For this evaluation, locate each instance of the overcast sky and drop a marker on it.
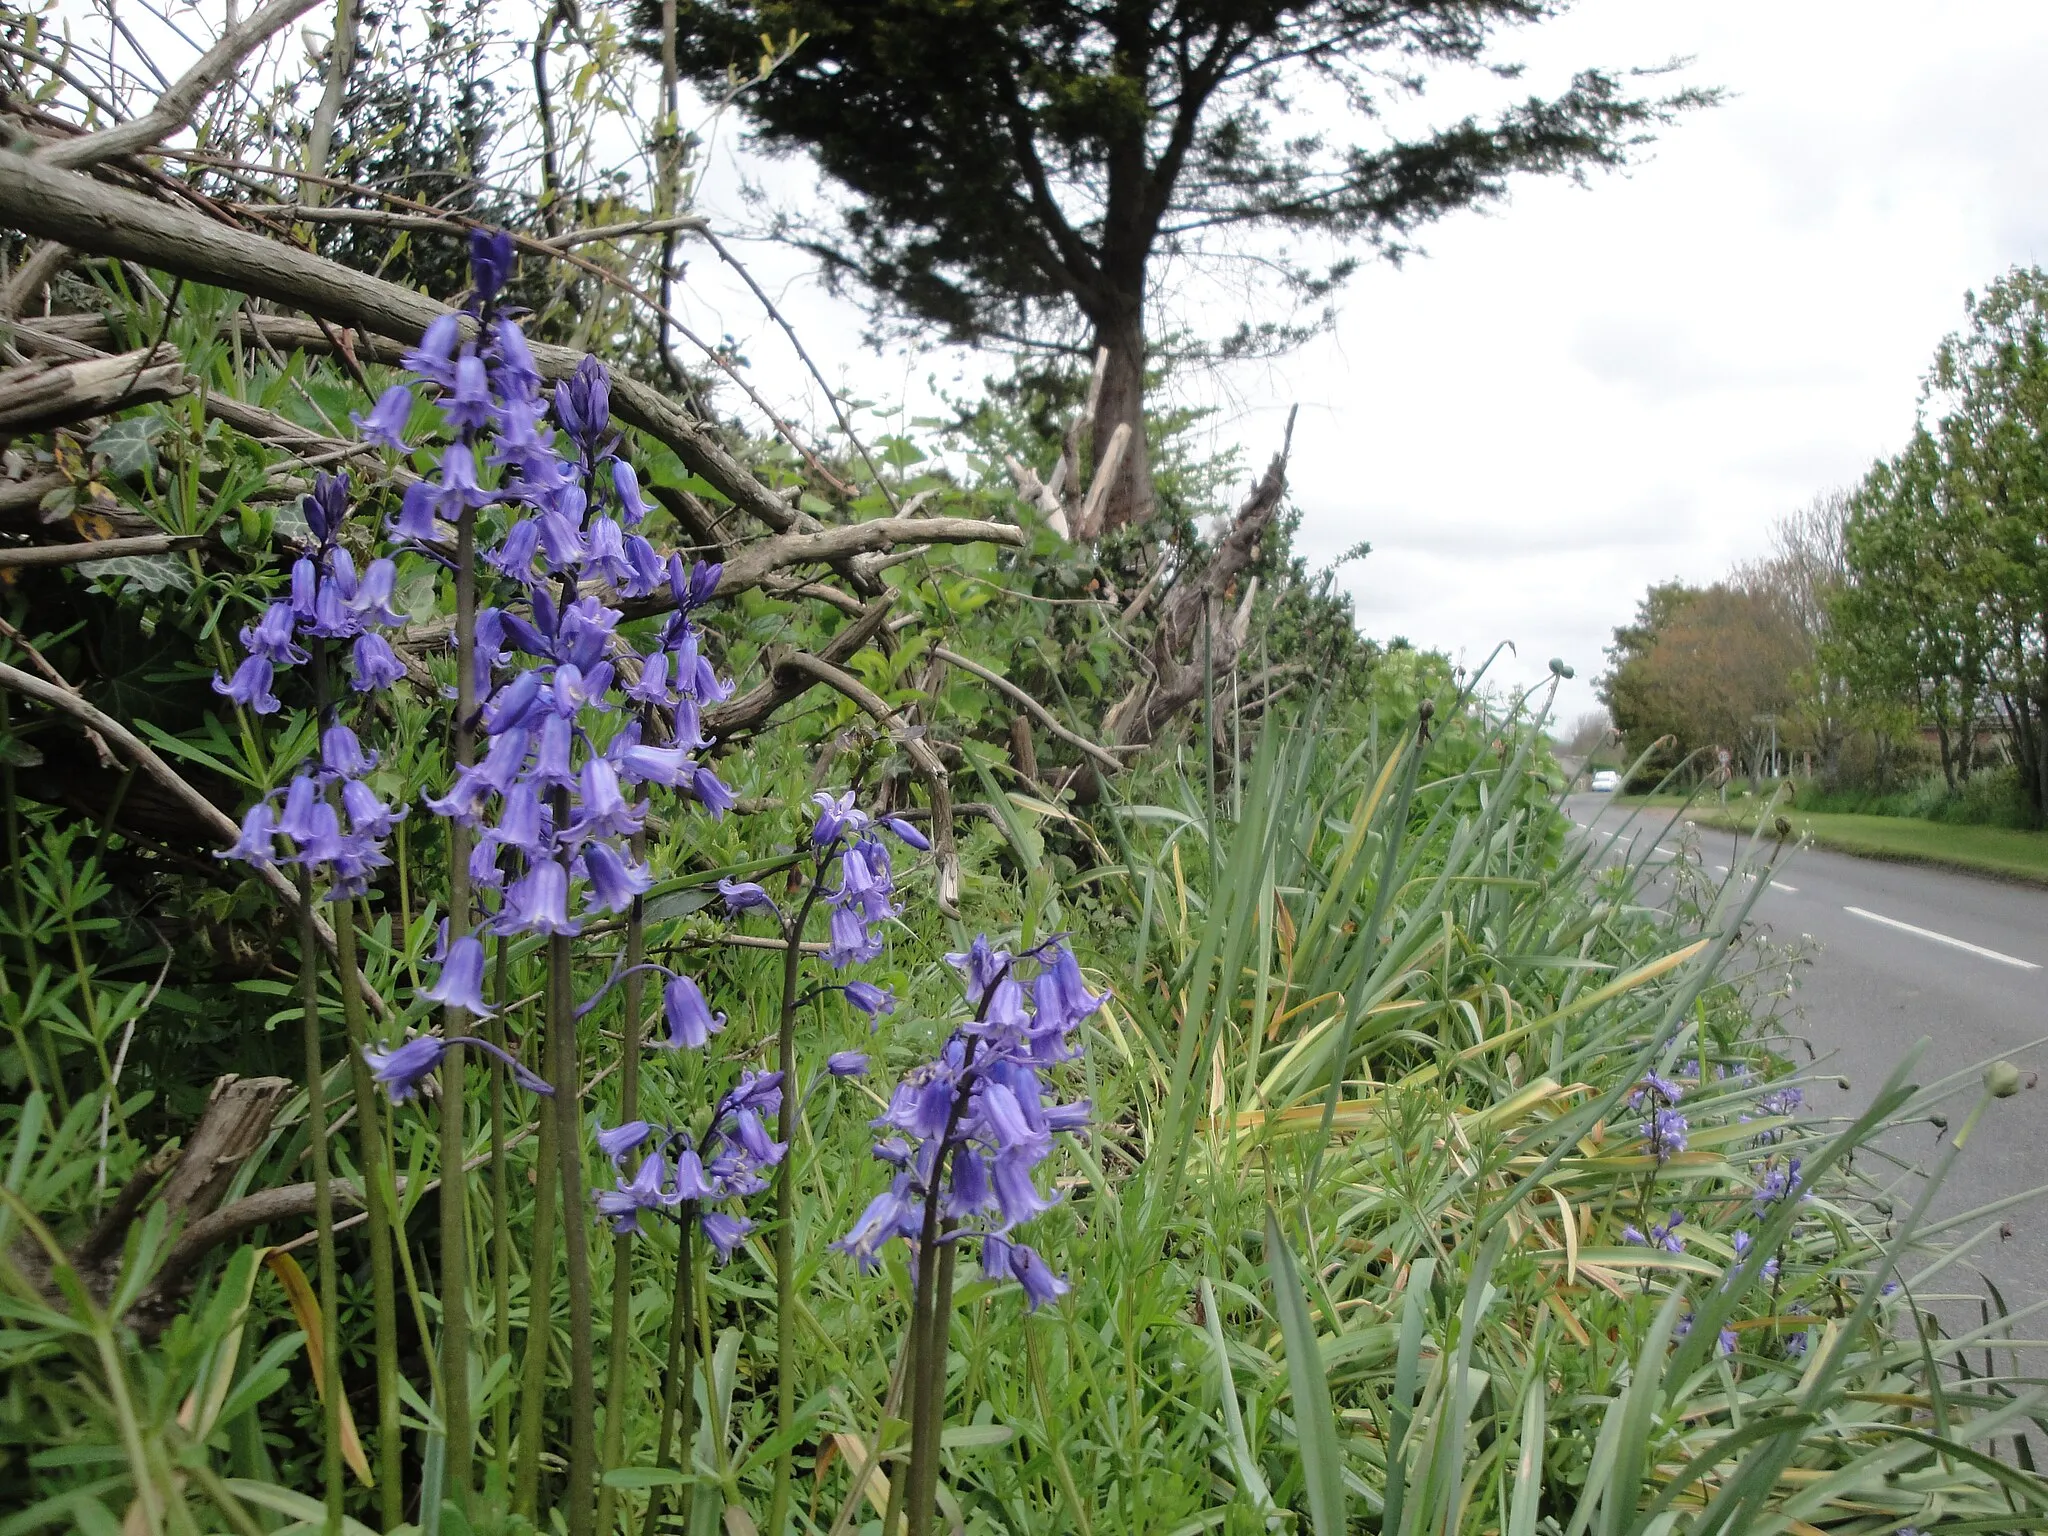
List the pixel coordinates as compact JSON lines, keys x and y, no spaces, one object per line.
{"x":1588,"y":390}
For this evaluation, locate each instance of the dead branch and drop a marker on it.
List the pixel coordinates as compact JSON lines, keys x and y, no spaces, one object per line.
{"x":211,"y":815}
{"x":97,"y":549}
{"x":1190,"y":618}
{"x":1088,"y":525}
{"x":112,"y":221}
{"x":746,"y":714}
{"x":1038,"y":711}
{"x":32,"y":277}
{"x":174,"y":109}
{"x":921,"y":755}
{"x":39,"y":396}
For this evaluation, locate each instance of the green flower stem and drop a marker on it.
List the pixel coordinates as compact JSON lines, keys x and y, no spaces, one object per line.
{"x":568,"y":1104}
{"x":455,"y":1276}
{"x":621,"y":1345}
{"x":501,"y":1212}
{"x":323,"y":1207}
{"x":785,"y":1206}
{"x":677,"y":1396}
{"x":540,"y":1286}
{"x":383,"y":1292}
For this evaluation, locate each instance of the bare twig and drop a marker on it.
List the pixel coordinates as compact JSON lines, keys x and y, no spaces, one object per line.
{"x":174,"y":109}
{"x":212,"y":816}
{"x":1038,"y":711}
{"x":1088,"y":524}
{"x":109,"y":220}
{"x":96,"y":549}
{"x":922,"y":758}
{"x":43,"y":395}
{"x":32,"y":276}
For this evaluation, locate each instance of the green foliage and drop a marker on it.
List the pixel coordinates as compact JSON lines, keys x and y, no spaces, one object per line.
{"x":1014,"y":169}
{"x":1948,"y":579}
{"x":1357,"y":978}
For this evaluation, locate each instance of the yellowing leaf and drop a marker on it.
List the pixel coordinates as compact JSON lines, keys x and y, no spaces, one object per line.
{"x":306,"y":1309}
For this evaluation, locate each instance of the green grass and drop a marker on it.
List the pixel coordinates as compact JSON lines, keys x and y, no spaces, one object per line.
{"x":2001,"y":851}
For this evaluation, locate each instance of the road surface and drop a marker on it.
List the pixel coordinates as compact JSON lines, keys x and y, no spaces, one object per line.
{"x":1905,"y":951}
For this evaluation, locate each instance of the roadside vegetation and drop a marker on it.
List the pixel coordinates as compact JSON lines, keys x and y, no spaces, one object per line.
{"x":1888,"y":653}
{"x":569,"y":966}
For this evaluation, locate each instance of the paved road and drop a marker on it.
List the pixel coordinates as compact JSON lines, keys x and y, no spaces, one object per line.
{"x":1906,"y":952}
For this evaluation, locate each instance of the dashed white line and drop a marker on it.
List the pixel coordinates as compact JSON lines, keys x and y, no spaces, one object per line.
{"x":1942,"y":938}
{"x":1776,"y":885}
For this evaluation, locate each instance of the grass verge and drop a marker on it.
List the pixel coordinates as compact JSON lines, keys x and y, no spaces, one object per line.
{"x":2002,"y":851}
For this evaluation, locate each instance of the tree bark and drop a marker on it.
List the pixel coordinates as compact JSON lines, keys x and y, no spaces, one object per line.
{"x":1122,"y":403}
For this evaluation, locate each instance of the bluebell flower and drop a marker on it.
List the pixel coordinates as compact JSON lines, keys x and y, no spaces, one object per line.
{"x":385,"y":426}
{"x":366,"y":813}
{"x":271,"y":637}
{"x":1665,"y":1130}
{"x":691,"y":1023}
{"x":492,"y":257}
{"x":867,"y":997}
{"x":327,"y":506}
{"x":250,"y":686}
{"x":614,"y":881}
{"x":1664,"y":1235}
{"x":1777,"y":1185}
{"x":461,"y":982}
{"x":847,"y":1063}
{"x":257,"y":844}
{"x":538,"y":902}
{"x":621,"y":1140}
{"x":646,"y":1190}
{"x":744,"y":896}
{"x":434,"y":358}
{"x":1653,"y":1089}
{"x":583,"y":405}
{"x":907,"y":833}
{"x":400,"y":1070}
{"x":376,"y":667}
{"x":978,"y":1112}
{"x":724,"y":1232}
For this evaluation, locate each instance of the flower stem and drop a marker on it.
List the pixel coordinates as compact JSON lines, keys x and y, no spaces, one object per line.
{"x":540,"y":1287}
{"x":785,"y":1205}
{"x":323,"y":1207}
{"x":677,"y":1394}
{"x":501,"y":1213}
{"x":455,"y":1276}
{"x":930,"y":1421}
{"x":383,"y":1290}
{"x":621,"y":1345}
{"x":568,"y":1103}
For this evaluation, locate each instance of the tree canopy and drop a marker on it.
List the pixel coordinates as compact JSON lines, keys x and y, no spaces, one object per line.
{"x":1018,"y":168}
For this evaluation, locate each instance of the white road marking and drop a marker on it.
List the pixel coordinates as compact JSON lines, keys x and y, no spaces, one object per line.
{"x":1776,"y":885}
{"x":1942,"y":938}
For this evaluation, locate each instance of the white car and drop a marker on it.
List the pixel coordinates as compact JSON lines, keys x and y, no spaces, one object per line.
{"x":1606,"y":781}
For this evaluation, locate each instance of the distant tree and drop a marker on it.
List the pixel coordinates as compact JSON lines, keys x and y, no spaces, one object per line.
{"x":1990,"y":383}
{"x":1708,"y":667}
{"x":1020,"y":171}
{"x":1910,"y":625}
{"x":1807,"y":566}
{"x":1641,"y":709}
{"x":1945,"y":605}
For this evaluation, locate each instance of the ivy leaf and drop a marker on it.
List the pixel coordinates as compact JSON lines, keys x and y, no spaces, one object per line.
{"x":152,"y":573}
{"x":129,"y":445}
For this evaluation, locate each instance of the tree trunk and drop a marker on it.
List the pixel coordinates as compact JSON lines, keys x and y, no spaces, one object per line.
{"x":1122,"y":403}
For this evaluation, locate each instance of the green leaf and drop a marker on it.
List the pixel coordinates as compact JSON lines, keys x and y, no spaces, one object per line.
{"x":644,"y":1477}
{"x":129,"y":445}
{"x":1315,"y":1421}
{"x":152,"y":573}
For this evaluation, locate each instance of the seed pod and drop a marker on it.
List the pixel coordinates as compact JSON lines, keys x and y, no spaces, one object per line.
{"x":2002,"y":1078}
